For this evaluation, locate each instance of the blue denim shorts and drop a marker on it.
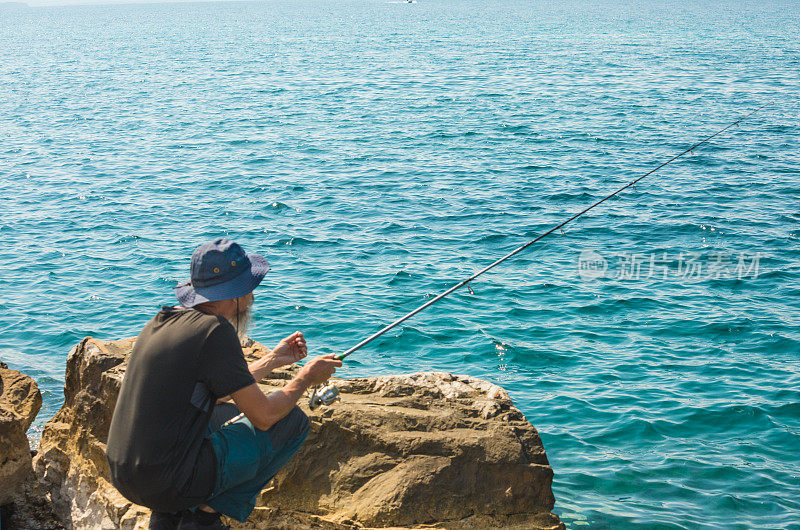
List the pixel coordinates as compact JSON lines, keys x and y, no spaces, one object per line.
{"x":248,"y":458}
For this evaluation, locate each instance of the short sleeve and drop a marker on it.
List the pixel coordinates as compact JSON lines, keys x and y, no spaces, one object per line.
{"x":223,"y":366}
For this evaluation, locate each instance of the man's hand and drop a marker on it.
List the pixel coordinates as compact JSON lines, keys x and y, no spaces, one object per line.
{"x":319,"y":370}
{"x":264,"y":411}
{"x":289,"y":350}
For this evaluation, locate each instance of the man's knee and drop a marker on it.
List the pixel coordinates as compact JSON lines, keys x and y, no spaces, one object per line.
{"x":292,"y":426}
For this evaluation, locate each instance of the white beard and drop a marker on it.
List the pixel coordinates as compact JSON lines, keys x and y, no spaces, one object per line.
{"x":242,"y":322}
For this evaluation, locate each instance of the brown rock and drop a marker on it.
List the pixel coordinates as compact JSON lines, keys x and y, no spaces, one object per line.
{"x":30,"y":509}
{"x":20,"y":401}
{"x":429,"y":449}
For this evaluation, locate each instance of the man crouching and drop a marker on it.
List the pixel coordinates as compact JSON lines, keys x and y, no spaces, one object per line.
{"x":173,"y":445}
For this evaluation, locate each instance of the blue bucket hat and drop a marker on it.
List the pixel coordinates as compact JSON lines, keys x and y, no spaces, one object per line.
{"x":221,"y":270}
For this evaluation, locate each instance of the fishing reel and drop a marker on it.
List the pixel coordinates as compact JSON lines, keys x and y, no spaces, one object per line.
{"x":323,"y":395}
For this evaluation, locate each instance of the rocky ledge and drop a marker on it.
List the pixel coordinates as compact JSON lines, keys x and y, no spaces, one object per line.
{"x":424,"y":450}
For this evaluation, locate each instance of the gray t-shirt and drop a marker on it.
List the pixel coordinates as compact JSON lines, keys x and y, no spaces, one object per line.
{"x":182,"y":362}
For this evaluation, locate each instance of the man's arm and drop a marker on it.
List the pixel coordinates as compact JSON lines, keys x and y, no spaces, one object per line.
{"x":262,"y":367}
{"x":290,"y":350}
{"x":265,"y":411}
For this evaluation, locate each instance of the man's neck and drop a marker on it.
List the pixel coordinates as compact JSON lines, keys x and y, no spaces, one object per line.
{"x":218,"y":309}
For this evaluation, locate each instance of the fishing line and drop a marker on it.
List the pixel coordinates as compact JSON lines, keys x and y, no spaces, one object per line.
{"x":529,"y":243}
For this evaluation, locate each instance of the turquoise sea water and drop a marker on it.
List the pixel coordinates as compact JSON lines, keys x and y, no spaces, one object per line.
{"x":379,"y":152}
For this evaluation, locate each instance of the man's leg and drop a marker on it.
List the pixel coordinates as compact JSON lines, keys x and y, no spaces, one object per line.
{"x":164,"y":520}
{"x":247,"y":459}
{"x":221,"y":413}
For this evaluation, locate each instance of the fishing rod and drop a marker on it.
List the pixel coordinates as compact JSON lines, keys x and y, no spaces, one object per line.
{"x":328,"y":394}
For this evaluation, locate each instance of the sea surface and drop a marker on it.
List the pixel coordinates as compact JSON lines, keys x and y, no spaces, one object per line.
{"x":378,"y":152}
